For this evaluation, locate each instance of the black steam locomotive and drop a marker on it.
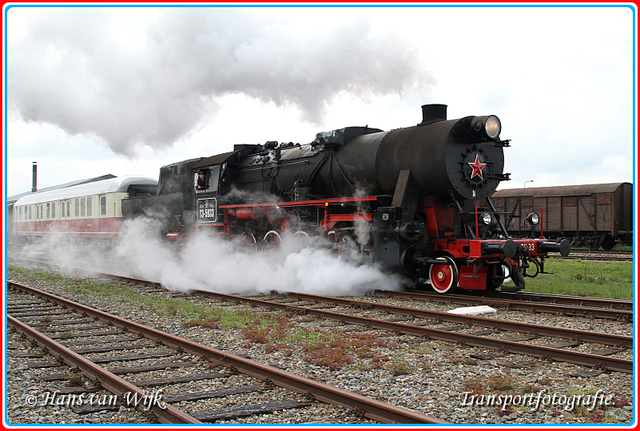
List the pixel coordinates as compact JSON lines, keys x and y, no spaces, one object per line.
{"x":416,"y":199}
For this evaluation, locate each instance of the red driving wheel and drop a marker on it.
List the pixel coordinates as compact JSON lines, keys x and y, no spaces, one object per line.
{"x":443,"y":276}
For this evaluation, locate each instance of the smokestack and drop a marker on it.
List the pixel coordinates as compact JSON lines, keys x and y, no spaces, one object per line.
{"x":34,"y":179}
{"x":433,"y":113}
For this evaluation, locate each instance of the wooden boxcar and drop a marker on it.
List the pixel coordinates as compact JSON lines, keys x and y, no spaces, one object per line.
{"x":592,"y":214}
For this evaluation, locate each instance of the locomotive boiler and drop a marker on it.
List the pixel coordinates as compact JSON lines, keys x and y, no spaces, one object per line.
{"x":415,"y":199}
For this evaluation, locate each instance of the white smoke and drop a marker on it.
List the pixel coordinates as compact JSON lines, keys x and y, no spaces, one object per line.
{"x":72,"y":256}
{"x":149,"y":77}
{"x":222,"y":265}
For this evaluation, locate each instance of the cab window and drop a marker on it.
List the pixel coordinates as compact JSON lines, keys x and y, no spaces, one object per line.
{"x":206,"y":180}
{"x":201,"y":180}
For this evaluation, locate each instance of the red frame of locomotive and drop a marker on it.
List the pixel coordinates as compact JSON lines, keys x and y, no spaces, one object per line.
{"x":472,"y":275}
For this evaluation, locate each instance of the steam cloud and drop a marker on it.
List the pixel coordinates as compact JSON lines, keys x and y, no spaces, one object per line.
{"x":209,"y":263}
{"x":220,"y":265}
{"x":94,"y":71}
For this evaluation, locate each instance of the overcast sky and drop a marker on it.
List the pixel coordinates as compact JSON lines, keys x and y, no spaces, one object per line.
{"x":126,"y":90}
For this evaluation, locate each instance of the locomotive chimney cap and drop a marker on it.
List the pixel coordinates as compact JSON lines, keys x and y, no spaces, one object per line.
{"x":432,"y":113}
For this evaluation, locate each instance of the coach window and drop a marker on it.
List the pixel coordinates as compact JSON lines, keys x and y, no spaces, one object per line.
{"x":30,"y":213}
{"x":82,"y":208}
{"x":53,"y":210}
{"x":76,"y":206}
{"x":68,"y":208}
{"x":103,"y":205}
{"x":89,"y":206}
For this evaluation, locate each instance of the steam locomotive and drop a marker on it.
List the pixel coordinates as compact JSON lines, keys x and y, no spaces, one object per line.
{"x":416,"y":199}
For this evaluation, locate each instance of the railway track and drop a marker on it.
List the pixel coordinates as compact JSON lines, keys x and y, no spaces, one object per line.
{"x":616,"y":256}
{"x":35,"y":313}
{"x":598,"y":358}
{"x":553,"y":304}
{"x":551,"y":351}
{"x":606,"y":308}
{"x":573,"y":306}
{"x":577,"y":301}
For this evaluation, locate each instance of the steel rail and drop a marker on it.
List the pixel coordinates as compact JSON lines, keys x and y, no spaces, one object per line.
{"x":114,"y":384}
{"x":610,"y":256}
{"x":596,"y":303}
{"x":603,"y":313}
{"x":624,"y":313}
{"x":543,"y":352}
{"x":371,"y":408}
{"x":504,"y":325}
{"x":542,"y":330}
{"x":582,"y":301}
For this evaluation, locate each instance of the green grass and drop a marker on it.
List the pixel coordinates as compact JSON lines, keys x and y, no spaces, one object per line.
{"x":184,"y":309}
{"x":35,"y":273}
{"x":585,"y":278}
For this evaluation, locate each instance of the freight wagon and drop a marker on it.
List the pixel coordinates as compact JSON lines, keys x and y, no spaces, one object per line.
{"x":592,"y":215}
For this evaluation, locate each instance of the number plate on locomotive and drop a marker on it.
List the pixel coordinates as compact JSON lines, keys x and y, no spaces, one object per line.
{"x":207,"y":210}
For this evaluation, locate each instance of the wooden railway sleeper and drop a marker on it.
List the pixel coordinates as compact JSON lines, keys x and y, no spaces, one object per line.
{"x":308,"y":396}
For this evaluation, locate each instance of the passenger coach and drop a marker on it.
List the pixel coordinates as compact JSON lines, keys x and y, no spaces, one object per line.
{"x":92,"y":210}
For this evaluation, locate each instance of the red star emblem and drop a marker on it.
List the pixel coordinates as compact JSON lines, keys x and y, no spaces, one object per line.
{"x":477,"y":168}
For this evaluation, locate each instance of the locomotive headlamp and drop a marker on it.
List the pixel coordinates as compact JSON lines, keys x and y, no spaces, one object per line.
{"x":486,"y":127}
{"x":492,"y":126}
{"x":486,"y":218}
{"x":533,"y":219}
